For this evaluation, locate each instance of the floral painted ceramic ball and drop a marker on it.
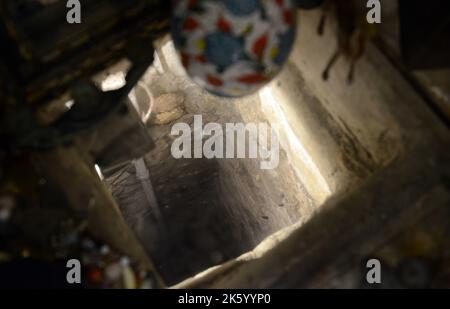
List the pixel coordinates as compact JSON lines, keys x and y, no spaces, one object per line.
{"x":233,"y":47}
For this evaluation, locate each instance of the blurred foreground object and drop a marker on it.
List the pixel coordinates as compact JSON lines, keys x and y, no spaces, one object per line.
{"x":56,"y":121}
{"x":233,"y":48}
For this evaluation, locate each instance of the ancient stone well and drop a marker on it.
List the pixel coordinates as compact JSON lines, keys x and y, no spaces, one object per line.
{"x":332,"y":136}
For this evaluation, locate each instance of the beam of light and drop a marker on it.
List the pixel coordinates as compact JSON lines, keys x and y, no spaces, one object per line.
{"x":294,"y":143}
{"x":69,"y":104}
{"x":99,"y":172}
{"x":114,"y":82}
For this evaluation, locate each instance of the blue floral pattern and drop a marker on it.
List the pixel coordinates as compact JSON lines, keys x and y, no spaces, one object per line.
{"x":233,"y":47}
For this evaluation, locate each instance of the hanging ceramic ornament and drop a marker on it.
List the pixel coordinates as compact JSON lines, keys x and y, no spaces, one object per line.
{"x":233,"y":47}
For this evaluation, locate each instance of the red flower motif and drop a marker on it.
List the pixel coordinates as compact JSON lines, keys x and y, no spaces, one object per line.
{"x":260,"y":45}
{"x":223,"y":24}
{"x":190,"y":24}
{"x":215,"y":81}
{"x":185,"y":59}
{"x":252,"y":79}
{"x":288,"y":17}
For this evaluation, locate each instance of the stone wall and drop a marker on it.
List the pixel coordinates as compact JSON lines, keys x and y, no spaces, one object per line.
{"x":333,"y":136}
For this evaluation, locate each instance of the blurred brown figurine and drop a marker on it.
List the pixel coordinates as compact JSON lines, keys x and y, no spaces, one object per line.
{"x":353,"y":31}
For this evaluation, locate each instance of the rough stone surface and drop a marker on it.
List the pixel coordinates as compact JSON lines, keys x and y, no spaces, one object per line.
{"x":334,"y":137}
{"x":167,"y":108}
